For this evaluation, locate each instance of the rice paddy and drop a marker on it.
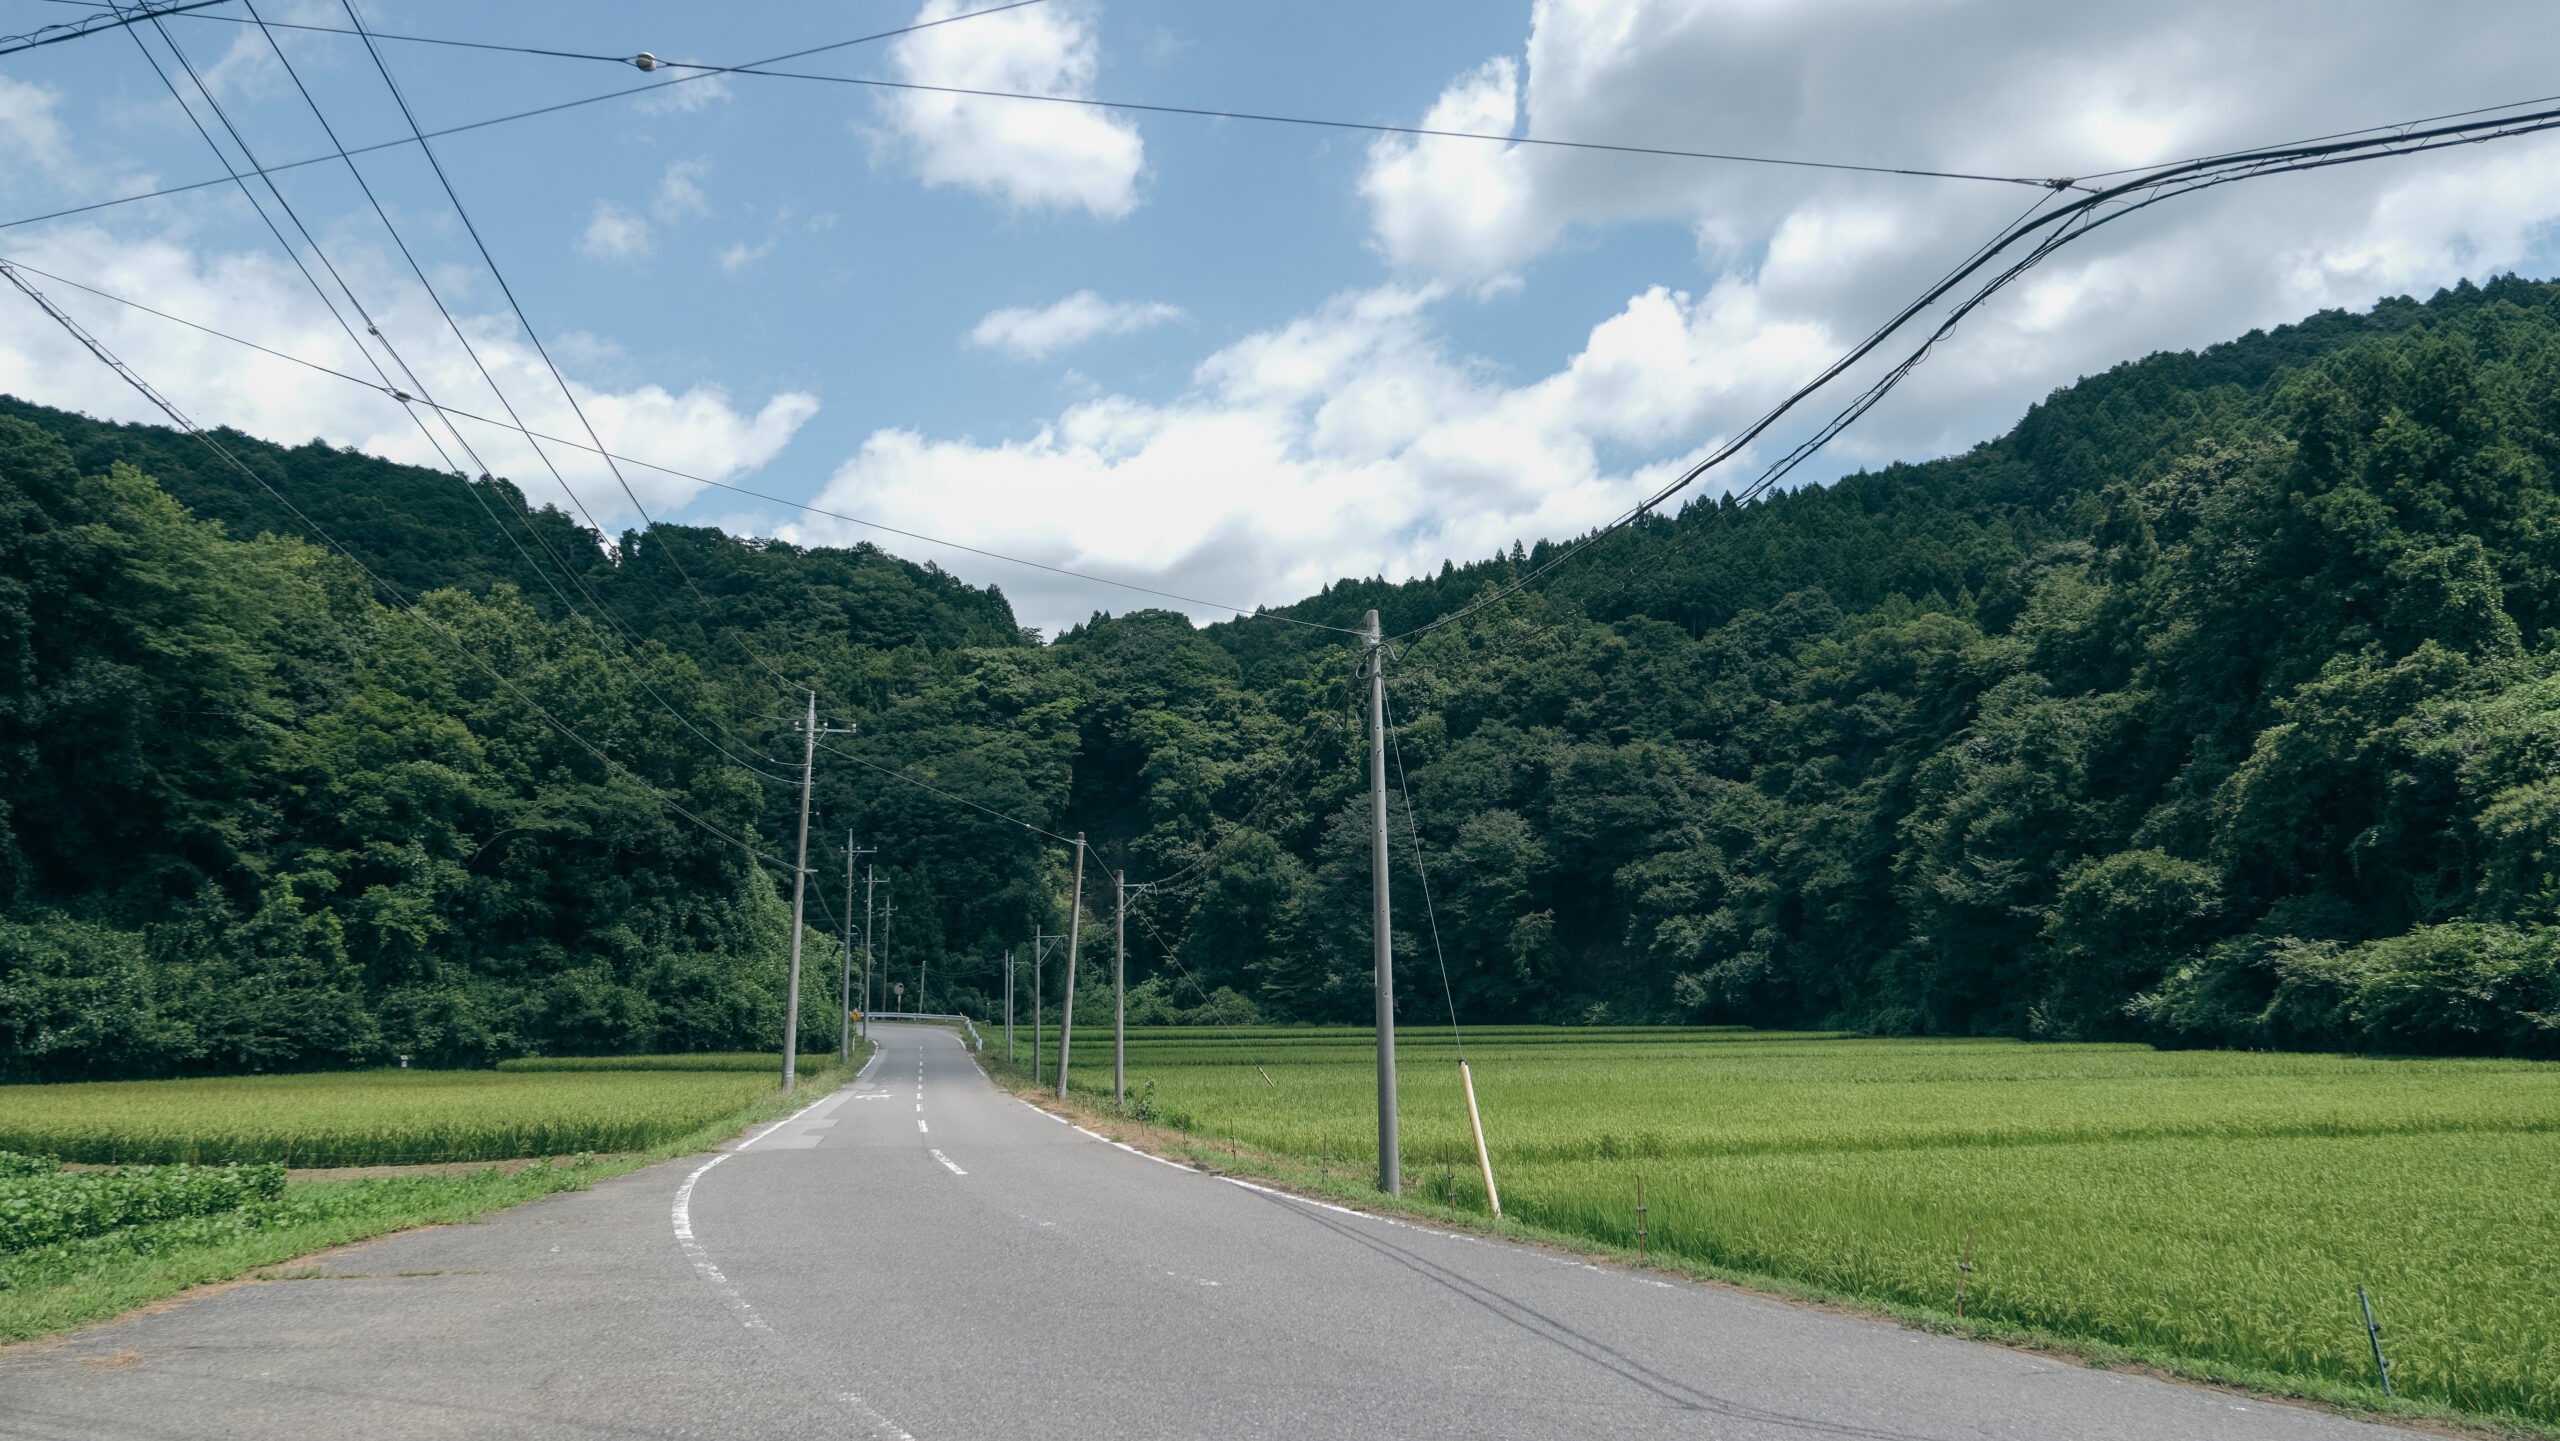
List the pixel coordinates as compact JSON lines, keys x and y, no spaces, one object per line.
{"x":374,"y":1118}
{"x":2212,"y":1210}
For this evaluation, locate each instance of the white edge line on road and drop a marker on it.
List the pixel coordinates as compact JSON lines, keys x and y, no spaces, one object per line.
{"x":947,"y":1163}
{"x":701,"y":1259}
{"x":880,"y":1427}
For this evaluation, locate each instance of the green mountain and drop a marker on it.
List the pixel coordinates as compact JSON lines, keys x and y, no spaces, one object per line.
{"x":2216,"y":703}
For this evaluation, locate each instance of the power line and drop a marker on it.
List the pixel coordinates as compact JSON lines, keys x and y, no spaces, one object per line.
{"x":177,"y":418}
{"x":2050,"y":231}
{"x":112,"y":18}
{"x":799,"y":505}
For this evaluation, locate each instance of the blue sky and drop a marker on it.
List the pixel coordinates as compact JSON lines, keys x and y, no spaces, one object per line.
{"x":1226,"y":358}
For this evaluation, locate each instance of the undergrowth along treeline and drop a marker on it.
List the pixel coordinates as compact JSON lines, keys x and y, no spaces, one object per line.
{"x":2098,"y":1180}
{"x":2211,"y":705}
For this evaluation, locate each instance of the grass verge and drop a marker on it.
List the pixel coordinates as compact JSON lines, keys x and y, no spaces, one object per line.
{"x":55,"y":1288}
{"x":1353,"y":1184}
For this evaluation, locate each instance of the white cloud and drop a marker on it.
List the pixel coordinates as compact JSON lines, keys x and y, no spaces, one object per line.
{"x":1031,"y":155}
{"x":685,"y":97}
{"x":29,"y":128}
{"x":1037,"y":334}
{"x":697,"y":428}
{"x":614,"y":233}
{"x":680,"y":191}
{"x":2004,"y":87}
{"x":1349,"y":441}
{"x":739,"y":255}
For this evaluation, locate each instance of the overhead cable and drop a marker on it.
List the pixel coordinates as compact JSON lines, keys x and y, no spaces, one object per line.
{"x":415,"y":611}
{"x":2052,"y":229}
{"x":700,"y":73}
{"x":109,"y":18}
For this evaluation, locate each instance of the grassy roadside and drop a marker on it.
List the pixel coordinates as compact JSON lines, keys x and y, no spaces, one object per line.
{"x":56,"y":1288}
{"x":1354,"y":1184}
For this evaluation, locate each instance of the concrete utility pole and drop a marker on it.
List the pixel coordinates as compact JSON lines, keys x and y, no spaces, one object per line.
{"x":844,"y":1003}
{"x":886,"y":912}
{"x":1120,"y":991}
{"x":1008,"y":1008}
{"x":1067,"y":1010}
{"x":1390,"y":1163}
{"x":800,"y":893}
{"x":870,"y":877}
{"x":1039,"y":948}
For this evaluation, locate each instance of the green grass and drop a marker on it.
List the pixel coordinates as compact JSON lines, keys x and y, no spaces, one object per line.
{"x":696,"y":1061}
{"x":371,"y":1118}
{"x":71,"y":1283}
{"x":2211,"y":1211}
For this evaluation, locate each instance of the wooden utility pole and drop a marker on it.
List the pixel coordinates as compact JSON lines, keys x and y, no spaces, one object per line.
{"x":800,"y":893}
{"x":844,"y":1003}
{"x":1075,"y":932}
{"x":1381,"y":921}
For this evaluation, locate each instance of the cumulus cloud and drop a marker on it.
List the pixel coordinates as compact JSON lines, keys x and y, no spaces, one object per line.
{"x":685,"y":96}
{"x":680,"y":191}
{"x":614,"y":233}
{"x":1032,"y":156}
{"x":699,"y":428}
{"x":1037,"y":334}
{"x":29,"y":128}
{"x":2005,"y":87}
{"x":739,"y":255}
{"x":1348,"y":441}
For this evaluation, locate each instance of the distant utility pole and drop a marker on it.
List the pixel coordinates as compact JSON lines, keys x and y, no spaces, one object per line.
{"x":1075,"y":932}
{"x":1008,"y":1008}
{"x":870,"y":877}
{"x":1390,"y":1164}
{"x":1039,"y":947}
{"x":809,"y":732}
{"x":1120,"y":989}
{"x":887,"y":912}
{"x":844,"y":1003}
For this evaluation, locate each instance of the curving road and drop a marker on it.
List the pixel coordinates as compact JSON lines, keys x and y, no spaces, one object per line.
{"x":921,"y":1255}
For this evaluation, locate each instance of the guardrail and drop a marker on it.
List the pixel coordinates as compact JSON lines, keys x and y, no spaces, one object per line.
{"x":976,"y":1042}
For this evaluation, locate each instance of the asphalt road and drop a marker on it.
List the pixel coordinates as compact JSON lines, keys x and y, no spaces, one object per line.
{"x":922,"y":1255}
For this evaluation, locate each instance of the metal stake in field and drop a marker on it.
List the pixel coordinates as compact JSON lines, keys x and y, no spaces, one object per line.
{"x":1964,"y":1269}
{"x":1075,"y":931}
{"x":844,"y":1002}
{"x":2373,"y":1333}
{"x":1640,"y":1230}
{"x":810,"y":731}
{"x":1381,"y":921}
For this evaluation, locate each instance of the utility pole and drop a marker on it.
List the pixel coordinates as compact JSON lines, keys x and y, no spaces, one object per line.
{"x":809,"y":732}
{"x":1008,"y":1008}
{"x":844,"y":1004}
{"x":1390,"y":1164}
{"x":1120,"y":990}
{"x":1075,"y":932}
{"x":870,"y":877}
{"x":886,"y":912}
{"x":1039,"y":948}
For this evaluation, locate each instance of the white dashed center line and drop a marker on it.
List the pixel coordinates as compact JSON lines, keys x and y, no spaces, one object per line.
{"x":947,"y":1164}
{"x":921,"y":1126}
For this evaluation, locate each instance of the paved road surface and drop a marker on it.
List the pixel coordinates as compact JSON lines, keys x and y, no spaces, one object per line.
{"x":923,"y":1255}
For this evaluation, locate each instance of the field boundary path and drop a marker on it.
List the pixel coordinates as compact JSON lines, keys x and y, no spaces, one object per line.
{"x":923,"y":1255}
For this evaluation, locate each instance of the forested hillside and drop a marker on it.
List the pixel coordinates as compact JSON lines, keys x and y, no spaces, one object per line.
{"x":2217,"y":703}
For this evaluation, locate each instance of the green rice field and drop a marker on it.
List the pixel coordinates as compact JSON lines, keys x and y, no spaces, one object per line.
{"x":375,"y":1118}
{"x":2208,"y":1210}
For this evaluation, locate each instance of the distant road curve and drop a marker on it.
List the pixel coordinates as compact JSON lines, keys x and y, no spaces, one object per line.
{"x":923,"y":1256}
